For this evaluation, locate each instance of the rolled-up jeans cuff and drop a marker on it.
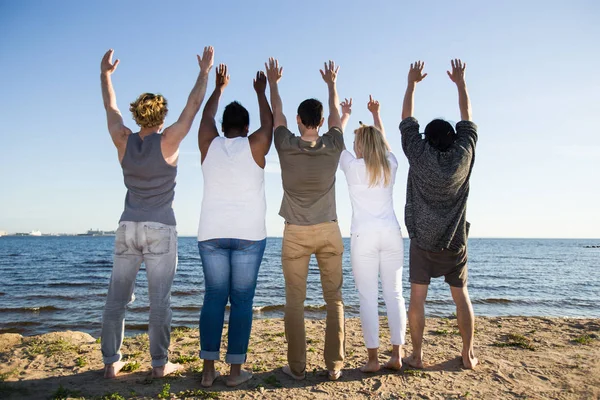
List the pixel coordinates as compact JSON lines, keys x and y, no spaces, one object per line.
{"x":112,"y":359}
{"x":159,"y":362}
{"x":209,"y":355}
{"x":235,"y":358}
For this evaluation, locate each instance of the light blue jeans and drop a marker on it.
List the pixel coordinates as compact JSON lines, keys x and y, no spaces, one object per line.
{"x":155,"y":245}
{"x":230,"y":269}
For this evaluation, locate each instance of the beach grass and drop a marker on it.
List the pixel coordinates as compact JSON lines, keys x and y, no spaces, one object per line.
{"x":585,"y":338}
{"x":515,"y":340}
{"x":131,"y":366}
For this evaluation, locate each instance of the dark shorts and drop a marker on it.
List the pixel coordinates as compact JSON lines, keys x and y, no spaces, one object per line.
{"x":424,"y":265}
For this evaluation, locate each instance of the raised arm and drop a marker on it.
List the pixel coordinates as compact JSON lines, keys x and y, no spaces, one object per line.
{"x":261,"y":139}
{"x":346,"y":111}
{"x":458,"y":77}
{"x":116,"y":128}
{"x":330,"y":77}
{"x":274,"y":74}
{"x":373,"y":107}
{"x":175,"y":133}
{"x":415,"y":75}
{"x":208,"y":128}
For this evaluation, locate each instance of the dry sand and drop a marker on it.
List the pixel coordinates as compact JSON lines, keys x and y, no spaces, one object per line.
{"x":521,"y":357}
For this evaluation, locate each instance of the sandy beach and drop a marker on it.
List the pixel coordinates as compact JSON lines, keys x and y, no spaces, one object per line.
{"x":521,"y":357}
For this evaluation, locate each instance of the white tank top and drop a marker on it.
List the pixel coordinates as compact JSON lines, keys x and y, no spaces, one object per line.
{"x":234,"y":204}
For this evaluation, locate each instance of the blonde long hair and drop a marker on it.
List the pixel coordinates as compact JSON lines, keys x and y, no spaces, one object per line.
{"x":149,"y":110}
{"x":374,"y":148}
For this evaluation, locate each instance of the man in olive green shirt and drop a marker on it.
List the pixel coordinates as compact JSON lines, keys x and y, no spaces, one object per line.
{"x":308,"y":166}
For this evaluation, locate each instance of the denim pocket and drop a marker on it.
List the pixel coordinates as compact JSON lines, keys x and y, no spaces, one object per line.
{"x":120,"y":240}
{"x":158,"y":239}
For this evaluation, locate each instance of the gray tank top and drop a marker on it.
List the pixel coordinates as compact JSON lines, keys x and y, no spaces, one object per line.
{"x":150,"y":181}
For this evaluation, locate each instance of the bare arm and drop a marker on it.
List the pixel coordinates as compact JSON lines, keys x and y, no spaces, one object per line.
{"x":208,"y":128}
{"x":330,"y":77}
{"x":116,"y":128}
{"x":346,"y":111}
{"x":261,"y":139}
{"x":373,"y":107}
{"x":174,"y":134}
{"x":274,"y":74}
{"x":458,"y":77}
{"x":415,"y":75}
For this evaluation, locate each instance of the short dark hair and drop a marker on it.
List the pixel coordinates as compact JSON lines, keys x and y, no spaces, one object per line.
{"x":311,"y":112}
{"x":235,"y":116}
{"x":440,"y":134}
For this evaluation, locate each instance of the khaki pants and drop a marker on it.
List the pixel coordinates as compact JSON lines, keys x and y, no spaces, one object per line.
{"x":299,"y":243}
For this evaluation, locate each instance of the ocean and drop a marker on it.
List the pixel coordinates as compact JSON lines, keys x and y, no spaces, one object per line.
{"x":60,"y":283}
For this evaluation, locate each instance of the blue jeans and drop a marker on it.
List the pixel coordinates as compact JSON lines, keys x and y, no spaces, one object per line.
{"x":230,"y":269}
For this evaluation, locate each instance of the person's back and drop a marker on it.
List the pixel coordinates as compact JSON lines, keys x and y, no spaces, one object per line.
{"x":376,"y":244}
{"x":147,"y":232}
{"x":232,"y":235}
{"x":436,"y":205}
{"x":308,"y":165}
{"x":149,"y":179}
{"x":234,"y":203}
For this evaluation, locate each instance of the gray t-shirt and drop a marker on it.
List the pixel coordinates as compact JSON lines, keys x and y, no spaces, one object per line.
{"x":308,"y":175}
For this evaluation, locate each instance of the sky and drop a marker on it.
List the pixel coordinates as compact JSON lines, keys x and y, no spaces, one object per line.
{"x":531,"y":73}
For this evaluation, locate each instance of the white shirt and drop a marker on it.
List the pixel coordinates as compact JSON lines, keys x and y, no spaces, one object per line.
{"x":234,"y":204}
{"x":372,"y":207}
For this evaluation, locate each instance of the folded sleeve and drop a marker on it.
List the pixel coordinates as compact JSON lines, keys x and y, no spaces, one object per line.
{"x":281,"y":137}
{"x":412,"y":143}
{"x":337,"y":137}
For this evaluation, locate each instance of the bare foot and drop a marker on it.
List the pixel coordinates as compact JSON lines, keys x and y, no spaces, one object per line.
{"x":469,"y":360}
{"x":288,"y":371}
{"x":414,"y":362}
{"x":238,"y":379}
{"x":209,"y":377}
{"x":111,"y":370}
{"x":394,"y":363}
{"x":335,"y":375}
{"x":370,"y":366}
{"x":166,"y":369}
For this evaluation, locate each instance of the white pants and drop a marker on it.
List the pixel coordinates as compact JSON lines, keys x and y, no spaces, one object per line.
{"x":372,"y":254}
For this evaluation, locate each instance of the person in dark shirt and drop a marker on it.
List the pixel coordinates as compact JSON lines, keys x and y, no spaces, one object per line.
{"x":440,"y":166}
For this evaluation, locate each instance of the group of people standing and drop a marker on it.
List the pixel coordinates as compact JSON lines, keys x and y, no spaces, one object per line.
{"x":232,"y":232}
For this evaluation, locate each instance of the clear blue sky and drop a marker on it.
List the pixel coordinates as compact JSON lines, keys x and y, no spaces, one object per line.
{"x":532,"y":72}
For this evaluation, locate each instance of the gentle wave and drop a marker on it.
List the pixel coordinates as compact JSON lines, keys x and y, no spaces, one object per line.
{"x":30,"y":309}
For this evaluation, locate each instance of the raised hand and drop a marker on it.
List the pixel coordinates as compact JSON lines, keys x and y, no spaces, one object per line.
{"x":207,"y":59}
{"x":373,"y":105}
{"x":260,"y":82}
{"x":415,"y":74}
{"x":458,"y":71}
{"x":107,"y":66}
{"x":330,"y":73}
{"x":222,"y":77}
{"x":346,"y":106}
{"x":274,"y":72}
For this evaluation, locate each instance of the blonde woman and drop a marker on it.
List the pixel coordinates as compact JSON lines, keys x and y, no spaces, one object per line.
{"x":146,"y":230}
{"x":376,"y":247}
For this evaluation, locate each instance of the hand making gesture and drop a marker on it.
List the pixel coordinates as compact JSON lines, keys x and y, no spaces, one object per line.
{"x":415,"y":74}
{"x":373,"y":105}
{"x":222,"y":78}
{"x":260,"y":82}
{"x":206,"y":61}
{"x":274,"y":72}
{"x":346,"y":106}
{"x":458,"y":71}
{"x":107,"y":66}
{"x":330,"y":73}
